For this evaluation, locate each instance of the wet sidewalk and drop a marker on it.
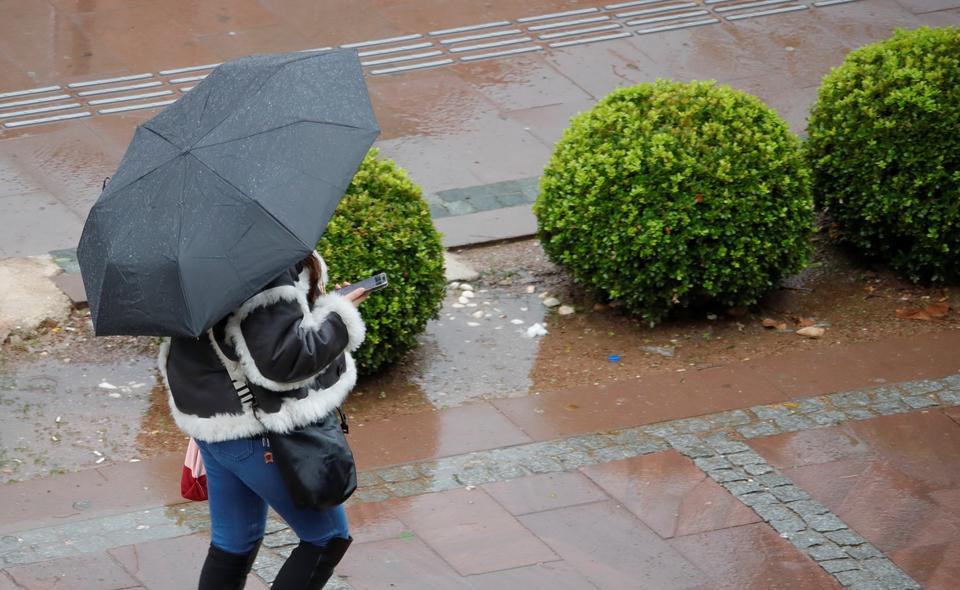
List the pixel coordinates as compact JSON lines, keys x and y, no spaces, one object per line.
{"x":471,"y":98}
{"x":764,"y":477}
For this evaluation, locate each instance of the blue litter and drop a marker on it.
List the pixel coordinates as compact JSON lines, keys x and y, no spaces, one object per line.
{"x":614,"y":358}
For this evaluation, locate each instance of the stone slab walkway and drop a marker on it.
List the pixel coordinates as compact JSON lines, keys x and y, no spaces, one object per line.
{"x":851,"y":488}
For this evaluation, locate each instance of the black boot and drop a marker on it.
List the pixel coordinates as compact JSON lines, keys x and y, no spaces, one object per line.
{"x":310,"y":566}
{"x":226,"y":571}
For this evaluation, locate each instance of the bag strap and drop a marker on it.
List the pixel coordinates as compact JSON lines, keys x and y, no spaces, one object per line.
{"x":239,"y":381}
{"x":237,"y":378}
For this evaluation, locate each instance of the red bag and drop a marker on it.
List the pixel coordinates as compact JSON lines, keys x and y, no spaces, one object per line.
{"x":193,"y":480}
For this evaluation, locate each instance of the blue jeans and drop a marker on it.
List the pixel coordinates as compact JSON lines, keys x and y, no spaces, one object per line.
{"x":240,"y":487}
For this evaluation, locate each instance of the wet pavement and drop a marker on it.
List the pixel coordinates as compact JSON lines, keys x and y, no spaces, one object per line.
{"x":820,"y":469}
{"x":509,"y":78}
{"x":857,"y":492}
{"x":60,"y":416}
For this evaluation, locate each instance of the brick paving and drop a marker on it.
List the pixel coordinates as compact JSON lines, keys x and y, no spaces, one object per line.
{"x":558,"y":479}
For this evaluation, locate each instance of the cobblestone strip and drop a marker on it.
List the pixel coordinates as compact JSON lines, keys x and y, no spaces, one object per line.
{"x":708,"y":439}
{"x":807,"y":524}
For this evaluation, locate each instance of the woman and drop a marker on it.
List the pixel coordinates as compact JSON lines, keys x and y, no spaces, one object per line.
{"x":291,"y":344}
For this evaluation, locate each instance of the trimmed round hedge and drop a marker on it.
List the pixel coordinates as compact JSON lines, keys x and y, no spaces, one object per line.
{"x":383,"y":225}
{"x":671,"y":194}
{"x":885,"y":149}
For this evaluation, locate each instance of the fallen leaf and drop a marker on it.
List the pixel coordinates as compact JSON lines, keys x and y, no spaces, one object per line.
{"x":805,"y":322}
{"x":769,"y":323}
{"x":929,"y":313}
{"x":811,"y":332}
{"x":698,"y":198}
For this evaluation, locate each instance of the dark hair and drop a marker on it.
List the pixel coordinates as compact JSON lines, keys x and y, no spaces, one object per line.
{"x":316,"y":275}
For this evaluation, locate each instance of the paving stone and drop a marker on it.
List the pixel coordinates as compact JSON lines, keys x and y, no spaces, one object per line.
{"x":267,"y":565}
{"x":840,"y":565}
{"x":850,"y":399}
{"x":887,"y":393}
{"x":757,"y":498}
{"x":660,"y":430}
{"x":828,"y":417}
{"x":758,"y":469}
{"x":610,"y":454}
{"x":811,"y":405}
{"x":794,"y":423}
{"x":865,"y":551}
{"x":785,"y":526}
{"x":692,"y":425}
{"x":770,"y":512}
{"x":807,"y":508}
{"x":771,"y":411}
{"x":950,"y":398}
{"x":845,"y":537}
{"x":757,"y":430}
{"x":398,"y":474}
{"x":275,"y":525}
{"x":807,"y":538}
{"x":824,"y":523}
{"x":889,"y":408}
{"x":922,"y":387}
{"x":952,"y":381}
{"x":367,"y":479}
{"x":869,"y":585}
{"x":739,"y":488}
{"x":404,"y":489}
{"x":712,"y":463}
{"x":854,"y":578}
{"x":921,"y":401}
{"x":576,"y":460}
{"x":745,"y":458}
{"x":887,"y":572}
{"x":859,"y":414}
{"x":827,"y":551}
{"x":732,"y":418}
{"x":722,"y":442}
{"x":541,"y":465}
{"x":690,"y":445}
{"x":789,"y":493}
{"x":772,"y":480}
{"x":589,"y":442}
{"x":281,"y":538}
{"x":727,"y":475}
{"x":505,"y":471}
{"x":370,"y":495}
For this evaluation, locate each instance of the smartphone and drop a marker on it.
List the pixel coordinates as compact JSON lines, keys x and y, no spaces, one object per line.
{"x":371,"y":284}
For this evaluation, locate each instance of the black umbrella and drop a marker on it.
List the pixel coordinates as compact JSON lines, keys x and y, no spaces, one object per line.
{"x":223,"y":190}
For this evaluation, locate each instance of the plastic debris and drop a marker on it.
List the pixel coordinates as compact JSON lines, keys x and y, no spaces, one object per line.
{"x":536,"y":330}
{"x":614,"y":358}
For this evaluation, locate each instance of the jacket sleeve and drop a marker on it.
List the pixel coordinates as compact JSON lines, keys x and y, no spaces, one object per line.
{"x":283,"y":345}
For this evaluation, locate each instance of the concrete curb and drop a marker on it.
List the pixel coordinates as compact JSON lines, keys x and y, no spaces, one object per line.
{"x":29,"y":297}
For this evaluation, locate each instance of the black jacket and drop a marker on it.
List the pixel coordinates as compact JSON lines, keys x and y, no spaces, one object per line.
{"x":295,"y":359}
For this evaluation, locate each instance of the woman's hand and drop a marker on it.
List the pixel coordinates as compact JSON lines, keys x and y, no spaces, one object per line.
{"x":355,"y":297}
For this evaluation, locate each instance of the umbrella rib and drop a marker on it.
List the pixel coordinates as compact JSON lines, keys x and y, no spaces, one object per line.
{"x":251,"y":96}
{"x":279,"y":127}
{"x":252,"y":200}
{"x":155,"y":168}
{"x":183,"y":293}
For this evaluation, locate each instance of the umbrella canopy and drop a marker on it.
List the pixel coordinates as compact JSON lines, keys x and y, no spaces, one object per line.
{"x":223,"y":190}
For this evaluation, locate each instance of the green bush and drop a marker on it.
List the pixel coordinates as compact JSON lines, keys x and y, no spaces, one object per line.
{"x":885,"y":149}
{"x":671,"y":194}
{"x":383,"y":225}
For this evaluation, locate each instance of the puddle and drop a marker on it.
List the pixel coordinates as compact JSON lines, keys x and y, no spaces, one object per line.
{"x":479,"y":347}
{"x":58,"y":417}
{"x":476,"y":349}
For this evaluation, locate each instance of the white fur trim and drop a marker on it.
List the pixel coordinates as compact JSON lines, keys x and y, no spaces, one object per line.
{"x":356,"y":331}
{"x":348,"y":312}
{"x":219,"y":427}
{"x":295,"y":413}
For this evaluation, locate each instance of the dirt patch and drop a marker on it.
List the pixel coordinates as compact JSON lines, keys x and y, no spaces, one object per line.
{"x":851,"y":299}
